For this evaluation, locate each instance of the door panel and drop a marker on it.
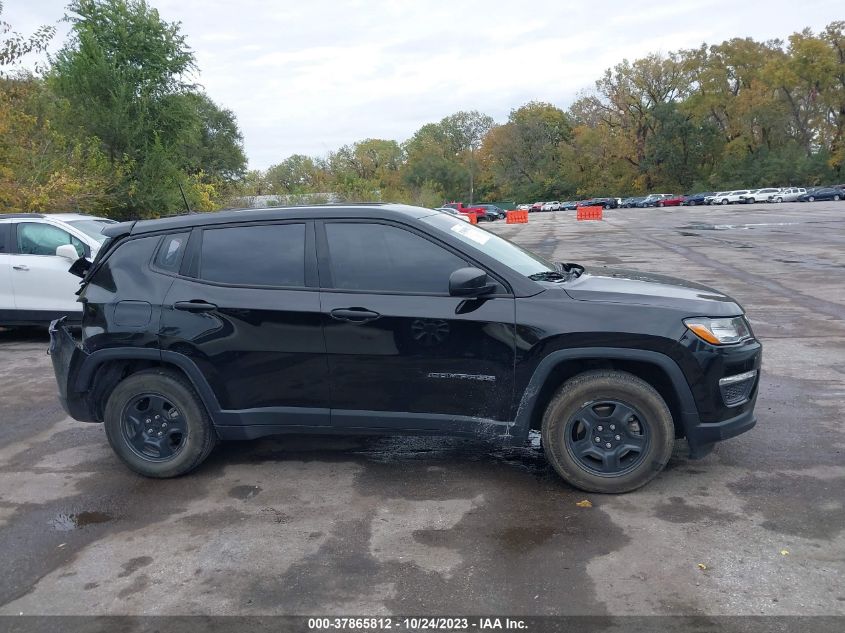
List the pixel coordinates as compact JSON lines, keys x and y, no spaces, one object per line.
{"x":260,"y":348}
{"x":257,"y":348}
{"x":40,"y":279}
{"x":401,"y":352}
{"x":423,"y":354}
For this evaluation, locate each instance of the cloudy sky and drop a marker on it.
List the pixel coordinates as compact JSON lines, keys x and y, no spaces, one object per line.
{"x":307,"y":76}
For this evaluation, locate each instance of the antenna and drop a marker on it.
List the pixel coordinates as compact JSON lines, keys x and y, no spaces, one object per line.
{"x":184,"y":198}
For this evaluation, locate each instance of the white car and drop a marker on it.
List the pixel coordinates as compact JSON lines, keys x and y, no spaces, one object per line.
{"x":454,"y":212}
{"x":523,"y":207}
{"x":790,"y":194}
{"x":715,"y":198}
{"x":730,"y":197}
{"x":759,"y":195}
{"x":35,"y":254}
{"x":551,"y":206}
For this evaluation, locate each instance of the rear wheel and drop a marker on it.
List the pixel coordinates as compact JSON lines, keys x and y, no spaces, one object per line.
{"x":157,"y":425}
{"x":691,"y":203}
{"x":607,"y":431}
{"x":836,"y":197}
{"x":778,"y":199}
{"x":725,"y":201}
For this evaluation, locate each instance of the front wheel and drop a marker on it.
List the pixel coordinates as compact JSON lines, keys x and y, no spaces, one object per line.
{"x":157,"y":425}
{"x":725,"y":201}
{"x":607,"y":431}
{"x":836,"y":197}
{"x":811,"y":199}
{"x":779,"y":199}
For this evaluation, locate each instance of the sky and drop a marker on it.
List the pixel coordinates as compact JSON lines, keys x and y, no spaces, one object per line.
{"x":307,"y":76}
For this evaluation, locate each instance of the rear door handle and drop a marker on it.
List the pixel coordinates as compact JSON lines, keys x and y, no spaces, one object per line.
{"x":194,"y":306}
{"x":354,"y":315}
{"x":20,"y":267}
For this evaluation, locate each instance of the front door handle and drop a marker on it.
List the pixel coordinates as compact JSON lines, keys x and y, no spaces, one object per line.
{"x":194,"y":306}
{"x":20,"y":267}
{"x":354,"y":315}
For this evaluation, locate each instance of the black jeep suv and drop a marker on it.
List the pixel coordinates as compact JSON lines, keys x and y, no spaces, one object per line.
{"x":394,"y":319}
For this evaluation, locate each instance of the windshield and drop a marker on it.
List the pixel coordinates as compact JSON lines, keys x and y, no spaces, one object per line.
{"x":500,"y":249}
{"x":92,"y":228}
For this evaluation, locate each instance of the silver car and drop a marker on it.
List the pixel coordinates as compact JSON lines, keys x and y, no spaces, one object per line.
{"x":789,"y":194}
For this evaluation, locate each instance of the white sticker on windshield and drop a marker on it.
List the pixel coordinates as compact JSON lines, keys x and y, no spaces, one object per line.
{"x":470,"y":232}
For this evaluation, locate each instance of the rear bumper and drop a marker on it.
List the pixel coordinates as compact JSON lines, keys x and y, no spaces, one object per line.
{"x":67,"y":357}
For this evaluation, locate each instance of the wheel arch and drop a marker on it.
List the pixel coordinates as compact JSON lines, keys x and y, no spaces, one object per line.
{"x":103,"y":370}
{"x":657,"y":369}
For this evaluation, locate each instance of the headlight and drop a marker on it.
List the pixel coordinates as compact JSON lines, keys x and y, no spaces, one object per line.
{"x":719,"y":331}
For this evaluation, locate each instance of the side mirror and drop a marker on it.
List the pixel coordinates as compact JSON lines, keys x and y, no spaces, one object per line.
{"x":469,"y":282}
{"x":68,"y":251}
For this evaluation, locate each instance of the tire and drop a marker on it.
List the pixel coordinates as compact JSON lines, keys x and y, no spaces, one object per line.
{"x":195,"y":434}
{"x":564,"y":419}
{"x":836,"y":198}
{"x":691,"y":203}
{"x":725,"y":201}
{"x":811,"y":198}
{"x":750,"y":201}
{"x":778,"y":199}
{"x":660,"y":204}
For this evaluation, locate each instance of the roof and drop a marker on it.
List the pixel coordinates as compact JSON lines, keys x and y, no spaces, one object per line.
{"x":373,"y":210}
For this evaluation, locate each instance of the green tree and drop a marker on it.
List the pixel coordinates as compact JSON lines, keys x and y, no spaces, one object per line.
{"x":125,"y":74}
{"x":15,"y":45}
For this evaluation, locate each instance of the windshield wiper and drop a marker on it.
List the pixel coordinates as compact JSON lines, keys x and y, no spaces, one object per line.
{"x":548,"y":275}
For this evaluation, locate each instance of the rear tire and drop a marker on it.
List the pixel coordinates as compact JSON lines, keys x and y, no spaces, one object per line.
{"x":172,"y":444}
{"x":578,"y":425}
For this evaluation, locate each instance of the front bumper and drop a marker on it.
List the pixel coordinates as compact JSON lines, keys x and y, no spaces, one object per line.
{"x":67,"y":357}
{"x":702,"y":437}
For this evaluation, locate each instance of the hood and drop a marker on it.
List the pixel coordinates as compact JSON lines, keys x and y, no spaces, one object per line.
{"x":616,"y":285}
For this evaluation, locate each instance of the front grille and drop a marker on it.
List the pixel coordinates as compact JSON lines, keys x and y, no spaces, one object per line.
{"x":736,"y":390}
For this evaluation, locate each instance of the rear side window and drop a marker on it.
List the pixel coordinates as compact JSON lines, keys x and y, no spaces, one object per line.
{"x":385,"y":258}
{"x":5,"y":230}
{"x":43,"y":239}
{"x":170,"y":251}
{"x":266,"y":255}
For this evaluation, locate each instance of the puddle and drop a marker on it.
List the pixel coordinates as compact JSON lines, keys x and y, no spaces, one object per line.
{"x":67,"y":522}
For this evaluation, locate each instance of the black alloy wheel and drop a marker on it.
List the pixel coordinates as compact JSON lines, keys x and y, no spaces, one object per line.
{"x":608,"y":437}
{"x":153,"y":427}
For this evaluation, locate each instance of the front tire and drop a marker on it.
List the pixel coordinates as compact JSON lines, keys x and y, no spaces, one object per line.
{"x":607,"y":431}
{"x":157,"y":425}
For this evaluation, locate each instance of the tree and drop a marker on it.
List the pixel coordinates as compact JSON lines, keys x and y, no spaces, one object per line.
{"x":522,"y":158}
{"x":14,"y":45}
{"x":125,"y":74}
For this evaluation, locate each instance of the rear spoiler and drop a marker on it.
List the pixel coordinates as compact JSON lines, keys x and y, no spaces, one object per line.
{"x":121,"y":229}
{"x":114,"y":232}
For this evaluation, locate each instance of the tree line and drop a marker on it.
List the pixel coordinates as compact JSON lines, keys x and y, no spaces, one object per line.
{"x":115,"y":124}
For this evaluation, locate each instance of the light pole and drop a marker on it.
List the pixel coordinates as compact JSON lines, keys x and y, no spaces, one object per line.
{"x":471,"y":183}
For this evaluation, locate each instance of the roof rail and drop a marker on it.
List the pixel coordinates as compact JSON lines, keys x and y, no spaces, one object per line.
{"x":6,"y":216}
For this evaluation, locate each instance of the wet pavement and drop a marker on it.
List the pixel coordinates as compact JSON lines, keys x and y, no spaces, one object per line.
{"x":430,"y":525}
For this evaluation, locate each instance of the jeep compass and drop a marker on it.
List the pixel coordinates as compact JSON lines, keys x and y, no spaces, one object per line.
{"x":390,"y":319}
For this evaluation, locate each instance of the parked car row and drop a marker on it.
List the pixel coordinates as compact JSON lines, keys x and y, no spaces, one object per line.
{"x":738,"y":196}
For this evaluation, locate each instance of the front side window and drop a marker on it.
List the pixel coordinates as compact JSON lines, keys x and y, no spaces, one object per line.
{"x":265,"y":255}
{"x":43,"y":239}
{"x":385,"y":258}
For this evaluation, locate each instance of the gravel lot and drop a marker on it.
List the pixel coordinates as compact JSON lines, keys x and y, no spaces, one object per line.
{"x":376,"y":526}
